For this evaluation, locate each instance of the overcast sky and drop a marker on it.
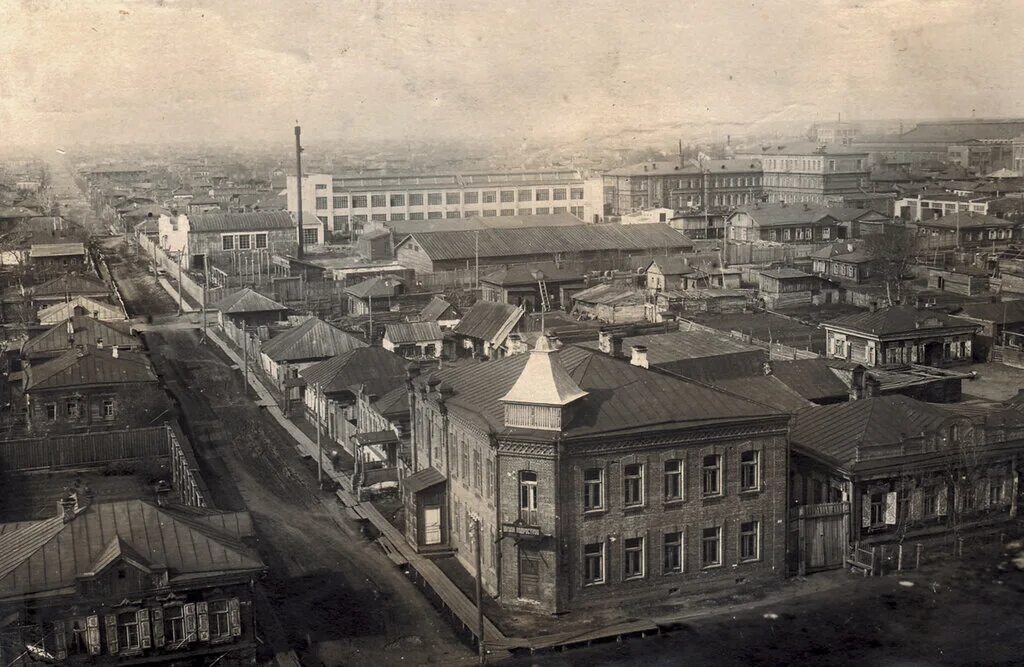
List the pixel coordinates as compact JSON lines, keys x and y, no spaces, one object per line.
{"x":101,"y":70}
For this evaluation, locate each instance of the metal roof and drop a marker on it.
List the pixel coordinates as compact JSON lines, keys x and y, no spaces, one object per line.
{"x":620,"y":397}
{"x":240,"y":222}
{"x":77,"y":368}
{"x":377,"y":287}
{"x":967,"y":220}
{"x":376,"y":369}
{"x":779,"y":215}
{"x":765,"y":389}
{"x":247,"y":300}
{"x":84,"y":331}
{"x":898,"y":319}
{"x":610,"y":294}
{"x":436,"y":309}
{"x":412,"y":332}
{"x":423,"y":479}
{"x":313,"y":339}
{"x":1002,"y":312}
{"x":544,"y":380}
{"x":785,"y":273}
{"x":406,"y":227}
{"x":62,"y":310}
{"x":72,"y":284}
{"x":489,"y":321}
{"x":50,"y":555}
{"x":673,"y":168}
{"x":529,"y":274}
{"x":496,"y":243}
{"x":811,"y":378}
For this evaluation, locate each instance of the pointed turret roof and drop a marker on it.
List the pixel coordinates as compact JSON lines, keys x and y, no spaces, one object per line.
{"x":544,"y":380}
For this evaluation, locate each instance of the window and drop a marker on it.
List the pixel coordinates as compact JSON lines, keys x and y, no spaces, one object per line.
{"x":74,"y":409}
{"x":673,"y":480}
{"x":321,"y":203}
{"x":633,"y":558}
{"x":528,"y":497}
{"x":593,"y":564}
{"x":452,"y":198}
{"x":359,"y":201}
{"x":227,"y":242}
{"x":379,"y":217}
{"x":558,"y":209}
{"x":543,"y":195}
{"x":397,"y":200}
{"x":361,"y":217}
{"x":452,"y":214}
{"x":672,"y":561}
{"x":490,"y":196}
{"x":465,"y":462}
{"x":397,"y":217}
{"x":51,"y":411}
{"x":524,"y":211}
{"x":711,"y":481}
{"x":476,"y":472}
{"x":416,"y":199}
{"x":434,"y":199}
{"x":261,"y":238}
{"x":220,"y":619}
{"x":415,"y":216}
{"x":633,"y":484}
{"x":508,"y":196}
{"x":711,"y":547}
{"x":490,"y":213}
{"x":508,"y":211}
{"x":576,"y":193}
{"x":174,"y":625}
{"x":558,"y":194}
{"x":244,"y":241}
{"x":750,"y":470}
{"x":471,"y":198}
{"x":877,"y":509}
{"x":435,"y":215}
{"x":995,"y":492}
{"x":542,"y":210}
{"x":593,"y":489}
{"x":378,"y":200}
{"x":471,"y":214}
{"x":750,"y":540}
{"x":310,"y":236}
{"x":489,"y":479}
{"x":525,"y":195}
{"x":340,"y":202}
{"x":825,"y":233}
{"x":930,"y":501}
{"x":108,"y":408}
{"x":128,"y":631}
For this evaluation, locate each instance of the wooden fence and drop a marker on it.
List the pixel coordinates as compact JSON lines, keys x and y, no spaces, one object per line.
{"x":83,"y":449}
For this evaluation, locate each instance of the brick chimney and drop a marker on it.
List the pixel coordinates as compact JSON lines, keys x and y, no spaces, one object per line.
{"x":163,"y":493}
{"x":639,"y":356}
{"x":66,"y":506}
{"x":857,"y":384}
{"x":114,"y":352}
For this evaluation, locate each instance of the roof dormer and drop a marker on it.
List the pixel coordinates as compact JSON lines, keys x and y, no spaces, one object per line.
{"x":540,"y":396}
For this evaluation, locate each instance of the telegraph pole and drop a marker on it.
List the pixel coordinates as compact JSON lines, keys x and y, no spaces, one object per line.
{"x":298,"y":181}
{"x":479,"y":597}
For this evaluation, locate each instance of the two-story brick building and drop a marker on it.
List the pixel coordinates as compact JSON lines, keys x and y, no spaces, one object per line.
{"x":594,"y":479}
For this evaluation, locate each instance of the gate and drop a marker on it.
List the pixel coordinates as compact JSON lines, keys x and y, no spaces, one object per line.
{"x":819,"y":535}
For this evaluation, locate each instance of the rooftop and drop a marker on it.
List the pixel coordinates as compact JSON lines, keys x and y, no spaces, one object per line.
{"x":401,"y":333}
{"x":774,"y":215}
{"x":56,"y":250}
{"x":896,"y":320}
{"x":79,"y":368}
{"x":434,"y":310}
{"x":672,"y":168}
{"x":240,"y":222}
{"x":489,"y":321}
{"x":62,"y":310}
{"x":406,"y":227}
{"x":967,"y":220}
{"x":71,"y":284}
{"x":376,"y":369}
{"x":544,"y":380}
{"x":377,"y":287}
{"x":80,"y":331}
{"x":813,"y":379}
{"x":312,"y":339}
{"x":530,"y":274}
{"x":246,"y":300}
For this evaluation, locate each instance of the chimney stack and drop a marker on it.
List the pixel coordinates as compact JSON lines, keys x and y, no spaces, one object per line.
{"x":604,"y":341}
{"x":872,"y":387}
{"x":66,"y":506}
{"x":639,"y":356}
{"x":99,"y":343}
{"x":113,"y":352}
{"x":857,"y":384}
{"x":163,"y":493}
{"x":873,"y":306}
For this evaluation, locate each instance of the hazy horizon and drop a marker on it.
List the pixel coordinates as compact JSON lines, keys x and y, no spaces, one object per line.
{"x":188,"y":71}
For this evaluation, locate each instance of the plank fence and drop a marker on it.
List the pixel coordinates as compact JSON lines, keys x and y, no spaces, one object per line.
{"x":83,"y":449}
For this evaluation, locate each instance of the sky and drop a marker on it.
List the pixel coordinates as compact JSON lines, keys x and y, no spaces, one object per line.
{"x":188,"y":70}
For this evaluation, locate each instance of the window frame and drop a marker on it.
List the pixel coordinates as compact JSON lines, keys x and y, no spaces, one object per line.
{"x":679,"y":481}
{"x":588,"y":487}
{"x":213,"y":613}
{"x":744,"y":535}
{"x":227,"y":242}
{"x":680,"y":553}
{"x":634,"y":547}
{"x":634,"y":479}
{"x":125,"y":628}
{"x":719,"y":489}
{"x":716,"y":537}
{"x":746,"y":466}
{"x":601,"y":556}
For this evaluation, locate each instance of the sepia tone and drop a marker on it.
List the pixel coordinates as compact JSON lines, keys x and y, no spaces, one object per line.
{"x":343,"y":333}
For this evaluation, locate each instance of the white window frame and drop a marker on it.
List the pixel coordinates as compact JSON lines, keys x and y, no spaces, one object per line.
{"x":747,"y":465}
{"x":602,"y":555}
{"x":599,"y":483}
{"x":641,"y":549}
{"x":757,"y":541}
{"x":639,"y":481}
{"x":703,"y":540}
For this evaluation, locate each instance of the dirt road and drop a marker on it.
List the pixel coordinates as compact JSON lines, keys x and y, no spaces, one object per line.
{"x":337,"y":599}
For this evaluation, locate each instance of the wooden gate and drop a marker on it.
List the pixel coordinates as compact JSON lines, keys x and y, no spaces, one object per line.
{"x":819,"y":535}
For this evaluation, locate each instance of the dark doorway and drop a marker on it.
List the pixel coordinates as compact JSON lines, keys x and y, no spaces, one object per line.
{"x":933,"y":354}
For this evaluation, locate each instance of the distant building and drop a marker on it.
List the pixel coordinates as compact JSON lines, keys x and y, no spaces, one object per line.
{"x":69,"y":285}
{"x":712,"y":184}
{"x":349,"y":202}
{"x":377,"y":294}
{"x":440,"y":311}
{"x":787,"y":288}
{"x":837,"y":133}
{"x":80,"y":332}
{"x":1018,"y":154}
{"x":813,"y":173}
{"x":375,"y":245}
{"x":520,"y":285}
{"x":60,"y":311}
{"x":786,"y":223}
{"x":928,"y":205}
{"x":484,"y":330}
{"x":931,"y":140}
{"x":611,"y":303}
{"x":414,"y":340}
{"x":843,"y":261}
{"x":966,"y":231}
{"x":231,"y":242}
{"x":982,"y":156}
{"x":51,"y":258}
{"x":312,"y":341}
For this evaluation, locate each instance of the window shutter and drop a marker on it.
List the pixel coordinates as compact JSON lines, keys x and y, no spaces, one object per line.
{"x":144,"y":636}
{"x":235,"y":617}
{"x":158,"y":627}
{"x":190,"y":622}
{"x":204,"y":622}
{"x":865,"y":511}
{"x":94,"y":410}
{"x":916,"y":503}
{"x":111,"y":621}
{"x":940,"y":500}
{"x":92,"y":634}
{"x":60,"y":647}
{"x":890,"y":508}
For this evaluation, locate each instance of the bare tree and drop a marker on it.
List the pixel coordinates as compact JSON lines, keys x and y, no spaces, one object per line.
{"x":892,"y":253}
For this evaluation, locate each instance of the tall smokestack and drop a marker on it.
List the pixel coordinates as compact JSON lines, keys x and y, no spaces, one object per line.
{"x":298,"y":181}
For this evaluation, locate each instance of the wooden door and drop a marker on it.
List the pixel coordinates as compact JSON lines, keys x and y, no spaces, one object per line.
{"x":529,"y":573}
{"x":432,"y":525}
{"x":822,"y":536}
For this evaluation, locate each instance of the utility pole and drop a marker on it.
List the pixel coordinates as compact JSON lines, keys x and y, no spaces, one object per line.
{"x":179,"y":285}
{"x":476,"y":255}
{"x":479,"y":597}
{"x":245,"y":360}
{"x":319,"y":450}
{"x":298,"y":181}
{"x":206,"y":286}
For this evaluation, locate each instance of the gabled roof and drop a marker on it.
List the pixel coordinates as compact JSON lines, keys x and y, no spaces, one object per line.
{"x":240,"y":222}
{"x":489,"y":321}
{"x":811,"y":378}
{"x":39,"y":250}
{"x":377,"y":287}
{"x":394,"y":404}
{"x":1003,"y":312}
{"x":84,"y":331}
{"x":62,"y":310}
{"x":71,"y":284}
{"x":779,"y":215}
{"x":79,"y":368}
{"x":491,"y":243}
{"x":247,"y":300}
{"x":437,"y":309}
{"x":621,"y":398}
{"x":785,"y":273}
{"x":544,"y":380}
{"x":765,"y":389}
{"x":313,"y":339}
{"x":672,"y":266}
{"x":49,"y":556}
{"x":376,"y":369}
{"x":610,"y":294}
{"x":895,"y":320}
{"x":836,"y":431}
{"x":406,"y":227}
{"x":967,"y":220}
{"x":529,"y":274}
{"x":400,"y":333}
{"x":836,"y":249}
